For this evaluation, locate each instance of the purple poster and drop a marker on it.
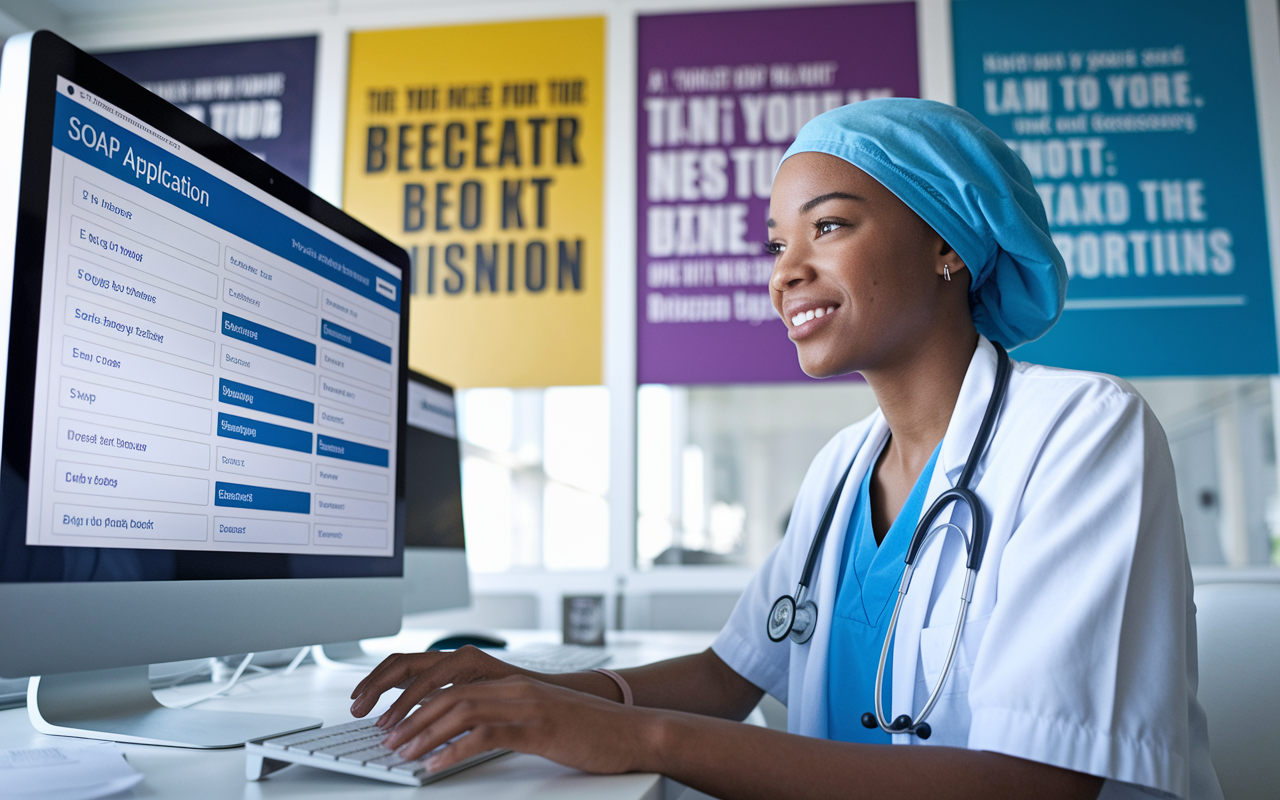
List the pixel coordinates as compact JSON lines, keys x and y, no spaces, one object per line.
{"x":258,"y":94}
{"x":721,"y":97}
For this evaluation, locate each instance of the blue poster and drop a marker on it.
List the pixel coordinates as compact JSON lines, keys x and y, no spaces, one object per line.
{"x":1137,"y":121}
{"x":258,"y":94}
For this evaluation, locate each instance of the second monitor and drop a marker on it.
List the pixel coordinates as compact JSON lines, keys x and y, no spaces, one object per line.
{"x":435,"y":558}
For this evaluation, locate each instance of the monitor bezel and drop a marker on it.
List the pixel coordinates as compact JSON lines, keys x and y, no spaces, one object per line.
{"x":434,"y":383}
{"x":164,"y":620}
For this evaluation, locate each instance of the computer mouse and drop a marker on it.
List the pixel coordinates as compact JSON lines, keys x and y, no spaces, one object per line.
{"x":455,"y":640}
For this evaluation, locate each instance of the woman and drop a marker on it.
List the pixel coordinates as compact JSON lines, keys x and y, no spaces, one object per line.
{"x":907,"y":238}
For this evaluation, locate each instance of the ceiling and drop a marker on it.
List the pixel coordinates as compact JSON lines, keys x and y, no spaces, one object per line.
{"x":62,"y":15}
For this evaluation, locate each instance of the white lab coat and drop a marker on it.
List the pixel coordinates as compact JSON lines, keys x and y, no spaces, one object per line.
{"x":1080,"y":645}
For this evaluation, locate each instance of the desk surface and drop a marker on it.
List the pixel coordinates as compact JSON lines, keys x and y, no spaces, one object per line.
{"x":323,"y":692}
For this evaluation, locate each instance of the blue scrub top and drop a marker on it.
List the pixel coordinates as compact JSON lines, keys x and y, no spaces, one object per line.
{"x":869,"y":579}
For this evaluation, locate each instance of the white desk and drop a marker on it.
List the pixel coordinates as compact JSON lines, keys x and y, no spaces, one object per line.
{"x":323,"y":692}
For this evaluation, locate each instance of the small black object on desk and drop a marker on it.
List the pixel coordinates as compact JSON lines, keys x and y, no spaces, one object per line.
{"x":455,"y":640}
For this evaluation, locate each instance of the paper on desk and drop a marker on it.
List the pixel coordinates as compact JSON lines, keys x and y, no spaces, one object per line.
{"x":66,"y":772}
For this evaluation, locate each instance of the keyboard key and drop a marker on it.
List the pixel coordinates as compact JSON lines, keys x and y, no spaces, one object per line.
{"x":387,"y":761}
{"x":358,"y":747}
{"x":316,"y":734}
{"x":297,"y":738}
{"x":338,"y":751}
{"x":410,"y":767}
{"x":310,"y":747}
{"x":307,"y":747}
{"x":351,"y":736}
{"x":353,"y":725}
{"x":367,"y":755}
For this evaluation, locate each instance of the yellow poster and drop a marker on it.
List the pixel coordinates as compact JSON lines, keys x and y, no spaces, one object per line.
{"x":480,"y":149}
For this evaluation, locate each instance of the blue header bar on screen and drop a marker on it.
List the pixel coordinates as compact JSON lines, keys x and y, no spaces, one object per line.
{"x":241,"y":495}
{"x":104,"y":144}
{"x":253,"y":430}
{"x":355,"y":341}
{"x":334,"y":447}
{"x":268,"y":338}
{"x":246,"y":396}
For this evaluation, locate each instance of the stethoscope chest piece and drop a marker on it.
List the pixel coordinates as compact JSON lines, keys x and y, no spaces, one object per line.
{"x":786,"y":619}
{"x":781,"y":617}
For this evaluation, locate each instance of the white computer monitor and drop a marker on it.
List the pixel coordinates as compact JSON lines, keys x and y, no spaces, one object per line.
{"x":204,"y":405}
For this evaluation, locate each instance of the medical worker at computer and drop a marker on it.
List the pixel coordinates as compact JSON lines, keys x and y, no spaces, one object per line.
{"x":1042,"y":640}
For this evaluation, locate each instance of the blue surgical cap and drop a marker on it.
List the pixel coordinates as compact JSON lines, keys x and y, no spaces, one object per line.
{"x":967,"y":185}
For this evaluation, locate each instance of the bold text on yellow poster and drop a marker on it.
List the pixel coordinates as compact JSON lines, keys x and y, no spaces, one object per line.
{"x":480,"y":149}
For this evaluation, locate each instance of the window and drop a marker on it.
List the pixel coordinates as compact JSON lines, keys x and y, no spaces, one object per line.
{"x":535,"y":475}
{"x":1222,"y":437}
{"x":718,"y":468}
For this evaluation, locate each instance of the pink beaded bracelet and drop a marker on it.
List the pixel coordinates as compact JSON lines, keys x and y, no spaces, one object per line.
{"x":627,"y":699}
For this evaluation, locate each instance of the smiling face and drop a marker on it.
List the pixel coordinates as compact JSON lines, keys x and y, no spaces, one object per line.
{"x":858,"y":275}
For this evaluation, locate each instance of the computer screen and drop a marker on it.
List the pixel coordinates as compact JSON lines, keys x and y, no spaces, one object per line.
{"x":435,"y":560}
{"x":205,"y":383}
{"x":213,"y":369}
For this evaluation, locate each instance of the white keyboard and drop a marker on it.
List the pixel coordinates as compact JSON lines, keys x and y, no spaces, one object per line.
{"x":353,"y":747}
{"x":554,"y":658}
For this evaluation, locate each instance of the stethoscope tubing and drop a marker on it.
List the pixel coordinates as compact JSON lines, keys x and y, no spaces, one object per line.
{"x":801,"y":618}
{"x":919,"y":727}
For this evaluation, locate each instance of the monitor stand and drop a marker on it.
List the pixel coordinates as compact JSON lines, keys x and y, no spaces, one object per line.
{"x":344,"y":655}
{"x":118,"y":705}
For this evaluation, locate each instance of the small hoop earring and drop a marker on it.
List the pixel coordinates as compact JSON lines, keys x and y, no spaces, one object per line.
{"x":946,"y":272}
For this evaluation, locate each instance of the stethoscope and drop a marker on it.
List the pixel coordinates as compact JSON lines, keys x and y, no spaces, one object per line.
{"x":797,"y":617}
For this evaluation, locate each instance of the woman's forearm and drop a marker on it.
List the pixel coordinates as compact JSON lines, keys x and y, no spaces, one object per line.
{"x":698,"y":684}
{"x":538,"y":714}
{"x":731,"y":761}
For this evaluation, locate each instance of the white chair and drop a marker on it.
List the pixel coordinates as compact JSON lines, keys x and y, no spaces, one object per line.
{"x":1239,"y":645}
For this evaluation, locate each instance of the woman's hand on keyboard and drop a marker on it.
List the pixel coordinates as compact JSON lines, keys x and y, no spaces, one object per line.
{"x":420,"y":674}
{"x":521,"y":713}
